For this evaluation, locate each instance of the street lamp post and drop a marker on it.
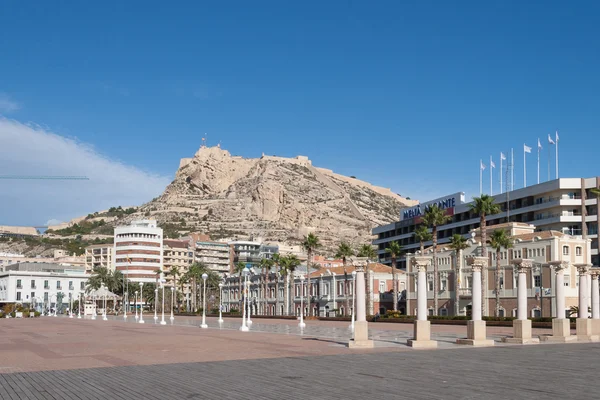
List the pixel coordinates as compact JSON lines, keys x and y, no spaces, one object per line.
{"x":249,"y":322}
{"x":141,"y":321}
{"x":220,"y":303}
{"x":136,"y":301}
{"x":204,"y":326}
{"x":244,"y":327}
{"x":70,"y":305}
{"x":79,"y":307}
{"x":172,"y":302}
{"x":105,"y":305}
{"x":155,"y":298}
{"x":162,"y":320}
{"x":94,"y":301}
{"x":125,"y":305}
{"x":353,"y":298}
{"x":301,"y":324}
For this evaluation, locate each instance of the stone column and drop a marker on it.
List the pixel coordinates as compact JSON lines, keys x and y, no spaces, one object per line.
{"x":595,"y":273}
{"x":361,"y":326}
{"x":584,"y":324}
{"x":561,"y":326}
{"x":476,"y":330}
{"x":422,"y":331}
{"x":522,"y":325}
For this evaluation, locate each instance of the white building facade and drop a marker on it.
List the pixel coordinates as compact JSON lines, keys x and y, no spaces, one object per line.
{"x":138,"y":250}
{"x":39,"y":284}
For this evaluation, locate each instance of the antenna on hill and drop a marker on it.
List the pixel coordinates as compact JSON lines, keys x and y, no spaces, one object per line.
{"x":219,"y":145}
{"x":204,"y":141}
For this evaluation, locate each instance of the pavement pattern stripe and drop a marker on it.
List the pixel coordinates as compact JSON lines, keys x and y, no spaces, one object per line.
{"x":516,"y":372}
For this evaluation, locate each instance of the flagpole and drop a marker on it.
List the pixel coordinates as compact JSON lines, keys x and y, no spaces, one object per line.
{"x":501,"y":191}
{"x":538,"y":176}
{"x":524,"y":168}
{"x":480,"y":177}
{"x":556,"y":154}
{"x":491,"y":169}
{"x":548,"y":161}
{"x":512,"y":169}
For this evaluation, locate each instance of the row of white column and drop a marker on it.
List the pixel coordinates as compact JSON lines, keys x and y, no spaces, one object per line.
{"x":587,"y":329}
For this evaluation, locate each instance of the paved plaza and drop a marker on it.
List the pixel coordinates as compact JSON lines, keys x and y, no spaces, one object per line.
{"x":61,"y":358}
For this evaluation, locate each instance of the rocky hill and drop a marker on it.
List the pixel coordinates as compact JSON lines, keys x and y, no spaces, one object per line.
{"x":275,"y":198}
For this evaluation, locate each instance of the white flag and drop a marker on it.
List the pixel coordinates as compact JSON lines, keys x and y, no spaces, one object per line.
{"x":492,"y":164}
{"x":539,"y":144}
{"x":526,"y":149}
{"x":482,"y":165}
{"x":502,"y":156}
{"x":556,"y":136}
{"x":550,"y":140}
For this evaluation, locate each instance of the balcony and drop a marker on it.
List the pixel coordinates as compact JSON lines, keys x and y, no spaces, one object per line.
{"x":465,"y":292}
{"x":71,"y":287}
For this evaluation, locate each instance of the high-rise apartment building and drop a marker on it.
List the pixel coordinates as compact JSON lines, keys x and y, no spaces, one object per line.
{"x":139,"y":250}
{"x":99,"y":255}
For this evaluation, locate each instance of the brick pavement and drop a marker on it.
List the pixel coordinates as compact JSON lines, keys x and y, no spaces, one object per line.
{"x":58,"y":358}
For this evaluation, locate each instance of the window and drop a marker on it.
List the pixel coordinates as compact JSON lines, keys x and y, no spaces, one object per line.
{"x":18,"y":296}
{"x":537,"y":281}
{"x":33,"y":283}
{"x":444,"y":311}
{"x":565,"y":250}
{"x":577,"y":251}
{"x":70,"y":285}
{"x":543,"y":252}
{"x":430,"y":286}
{"x":444,"y":284}
{"x":82,"y":285}
{"x":501,"y":281}
{"x":430,"y":312}
{"x":18,"y":284}
{"x":567,"y":280}
{"x":32,"y":296}
{"x":501,"y":313}
{"x":45,"y":297}
{"x":536,"y":313}
{"x":381,"y":286}
{"x":58,"y":285}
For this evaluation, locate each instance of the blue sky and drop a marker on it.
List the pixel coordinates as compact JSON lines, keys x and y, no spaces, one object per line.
{"x":407,"y":95}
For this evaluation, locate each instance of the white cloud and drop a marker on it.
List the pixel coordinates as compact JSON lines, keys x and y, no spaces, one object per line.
{"x":31,"y":150}
{"x":7,"y":105}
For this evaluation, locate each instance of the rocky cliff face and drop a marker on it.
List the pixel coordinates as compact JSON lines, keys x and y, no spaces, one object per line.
{"x":277,"y":199}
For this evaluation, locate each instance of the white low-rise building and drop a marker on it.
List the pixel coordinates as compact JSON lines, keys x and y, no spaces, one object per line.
{"x":39,"y":284}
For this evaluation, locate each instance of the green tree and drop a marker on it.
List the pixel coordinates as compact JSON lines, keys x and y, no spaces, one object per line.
{"x":394,"y":249}
{"x":289,"y":263}
{"x":499,"y":240}
{"x":484,"y":206}
{"x":174,"y":272}
{"x":277,"y":264}
{"x":423,"y":235}
{"x":311,"y":243}
{"x":434,"y":217}
{"x":458,"y":244}
{"x":266,"y":265}
{"x":239,"y":268}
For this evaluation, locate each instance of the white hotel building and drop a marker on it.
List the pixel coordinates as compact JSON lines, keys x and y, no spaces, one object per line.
{"x":564,"y":205}
{"x":138,"y":250}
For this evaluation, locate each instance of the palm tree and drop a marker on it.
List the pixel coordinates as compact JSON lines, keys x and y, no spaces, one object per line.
{"x":367,"y":250}
{"x":184,"y":280}
{"x":276,"y":262}
{"x":266,"y":265}
{"x":239,"y":268}
{"x":499,"y":240}
{"x":434,"y":217}
{"x":458,"y":244}
{"x":484,"y":206}
{"x":423,"y":235}
{"x":100,"y":275}
{"x":394,"y":249}
{"x":344,"y":251}
{"x":310,"y":244}
{"x":288,"y":264}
